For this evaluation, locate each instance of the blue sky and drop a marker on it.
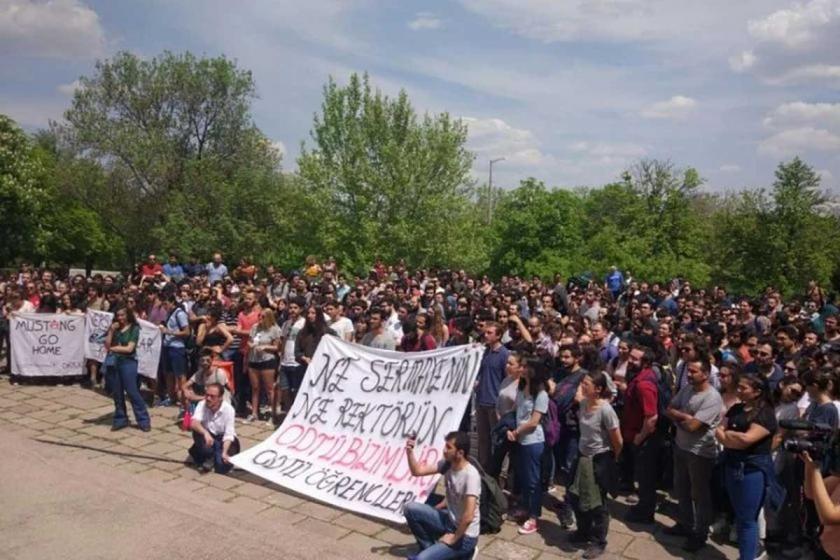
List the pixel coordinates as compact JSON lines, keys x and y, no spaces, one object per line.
{"x":568,"y":91}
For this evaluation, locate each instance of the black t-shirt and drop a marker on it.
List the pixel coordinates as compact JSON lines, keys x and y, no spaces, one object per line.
{"x":738,"y":421}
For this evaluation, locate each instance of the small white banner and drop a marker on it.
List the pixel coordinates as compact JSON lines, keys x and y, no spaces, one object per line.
{"x":148,"y":349}
{"x":47,"y":344}
{"x":96,"y":329}
{"x":343,"y":442}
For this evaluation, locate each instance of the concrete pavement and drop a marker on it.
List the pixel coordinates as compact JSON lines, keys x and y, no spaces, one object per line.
{"x":71,"y":488}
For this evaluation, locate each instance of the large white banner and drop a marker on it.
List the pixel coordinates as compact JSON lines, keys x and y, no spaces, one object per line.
{"x":97,"y":324}
{"x":343,"y":442}
{"x":47,"y":344}
{"x":148,"y":349}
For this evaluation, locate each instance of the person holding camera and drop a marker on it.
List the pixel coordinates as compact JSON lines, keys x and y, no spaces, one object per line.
{"x":747,"y":437}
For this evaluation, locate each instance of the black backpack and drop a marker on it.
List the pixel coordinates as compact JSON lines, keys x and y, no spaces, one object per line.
{"x":493,"y":504}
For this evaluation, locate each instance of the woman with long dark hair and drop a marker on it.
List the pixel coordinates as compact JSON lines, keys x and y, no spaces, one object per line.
{"x":314,"y":328}
{"x":531,"y":405}
{"x":747,"y":437}
{"x":121,"y":342}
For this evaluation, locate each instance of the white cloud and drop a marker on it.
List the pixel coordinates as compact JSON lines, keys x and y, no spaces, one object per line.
{"x":63,"y":29}
{"x":743,"y":61}
{"x":279,"y":146}
{"x":796,"y":26}
{"x":729,"y":168}
{"x":826,"y":176}
{"x":493,"y":138}
{"x":801,"y":128}
{"x":425,"y":20}
{"x":795,"y":45}
{"x":809,"y":73}
{"x":678,"y":107}
{"x":798,"y":141}
{"x":69,"y":89}
{"x":799,"y":113}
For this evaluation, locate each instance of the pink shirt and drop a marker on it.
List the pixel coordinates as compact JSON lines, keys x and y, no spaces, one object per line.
{"x":244,"y":321}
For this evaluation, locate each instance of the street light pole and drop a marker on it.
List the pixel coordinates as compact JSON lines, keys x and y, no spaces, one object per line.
{"x":490,"y":190}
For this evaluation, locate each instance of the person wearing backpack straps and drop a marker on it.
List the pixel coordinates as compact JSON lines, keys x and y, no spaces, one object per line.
{"x":639,"y":422}
{"x":531,"y":406}
{"x":175,"y":330}
{"x":451,"y":529}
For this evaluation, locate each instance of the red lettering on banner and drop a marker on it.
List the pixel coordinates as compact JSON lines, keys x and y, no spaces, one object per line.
{"x":294,"y":427}
{"x":302,"y":444}
{"x":334,"y":450}
{"x":352,"y":452}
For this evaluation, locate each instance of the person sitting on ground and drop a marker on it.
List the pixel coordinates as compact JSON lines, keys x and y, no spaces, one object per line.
{"x":214,"y":435}
{"x":450,"y":529}
{"x":195,"y":388}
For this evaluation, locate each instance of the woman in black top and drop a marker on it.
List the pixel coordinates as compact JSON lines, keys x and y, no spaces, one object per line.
{"x":314,"y":328}
{"x":748,"y":470}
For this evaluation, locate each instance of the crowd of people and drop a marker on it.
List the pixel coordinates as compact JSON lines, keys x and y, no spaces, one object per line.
{"x":592,"y":387}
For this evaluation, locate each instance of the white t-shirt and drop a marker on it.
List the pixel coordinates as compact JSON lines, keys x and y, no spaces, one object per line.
{"x":343,"y":328}
{"x":290,"y":331}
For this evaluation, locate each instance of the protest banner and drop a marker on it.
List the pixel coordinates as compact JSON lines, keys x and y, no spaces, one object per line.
{"x":343,"y":441}
{"x":96,"y":328}
{"x":148,"y":349}
{"x":47,"y":344}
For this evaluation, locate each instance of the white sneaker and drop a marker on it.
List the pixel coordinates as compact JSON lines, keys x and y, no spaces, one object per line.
{"x":720,"y":526}
{"x":249,"y":419}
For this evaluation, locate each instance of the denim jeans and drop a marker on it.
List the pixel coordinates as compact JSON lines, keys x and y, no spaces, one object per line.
{"x":201,"y":452}
{"x":428,"y":524}
{"x":123,"y":381}
{"x":746,"y":493}
{"x":528,"y":463}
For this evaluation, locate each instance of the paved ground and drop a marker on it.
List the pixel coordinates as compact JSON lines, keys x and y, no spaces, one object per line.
{"x":71,"y":488}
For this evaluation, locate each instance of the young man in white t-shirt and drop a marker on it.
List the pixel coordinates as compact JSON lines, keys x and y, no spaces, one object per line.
{"x":450,"y":529}
{"x":291,"y":372}
{"x":342,"y":326}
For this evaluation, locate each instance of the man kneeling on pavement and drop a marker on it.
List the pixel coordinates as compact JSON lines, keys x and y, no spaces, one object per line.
{"x":214,"y":436}
{"x":450,"y":529}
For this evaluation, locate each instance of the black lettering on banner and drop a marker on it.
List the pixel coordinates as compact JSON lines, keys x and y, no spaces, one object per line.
{"x":427,"y":375}
{"x":332,"y":376}
{"x":44,"y":325}
{"x":290,"y":467}
{"x":393,"y":420}
{"x":313,"y":409}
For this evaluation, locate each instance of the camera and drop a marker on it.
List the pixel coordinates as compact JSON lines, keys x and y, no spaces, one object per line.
{"x":820,"y":441}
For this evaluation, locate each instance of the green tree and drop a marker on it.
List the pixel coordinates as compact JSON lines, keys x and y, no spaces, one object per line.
{"x":536,"y":231}
{"x":22,"y":192}
{"x":156,"y":127}
{"x":387,"y":182}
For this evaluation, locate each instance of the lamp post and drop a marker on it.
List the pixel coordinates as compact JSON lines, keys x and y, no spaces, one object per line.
{"x":490,"y":190}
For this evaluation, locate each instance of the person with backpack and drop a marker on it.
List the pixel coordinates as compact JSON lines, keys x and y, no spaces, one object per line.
{"x":639,"y":430}
{"x":595,"y":473}
{"x":531,"y":406}
{"x":175,"y":330}
{"x":451,"y":529}
{"x":564,"y":396}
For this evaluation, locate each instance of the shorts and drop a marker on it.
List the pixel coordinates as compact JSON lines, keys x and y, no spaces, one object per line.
{"x":175,"y":361}
{"x":267,"y":364}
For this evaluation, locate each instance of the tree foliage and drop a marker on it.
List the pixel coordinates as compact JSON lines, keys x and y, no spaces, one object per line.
{"x":164,"y":130}
{"x":387,"y":182}
{"x":163,"y":155}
